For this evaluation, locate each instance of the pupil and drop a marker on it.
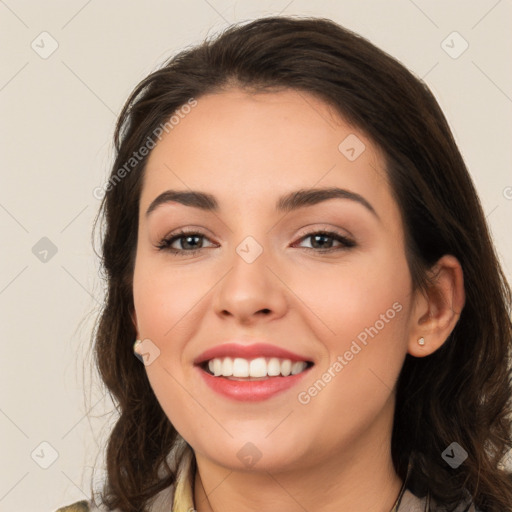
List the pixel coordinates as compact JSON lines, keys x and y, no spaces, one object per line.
{"x":316,"y":237}
{"x":187,"y":238}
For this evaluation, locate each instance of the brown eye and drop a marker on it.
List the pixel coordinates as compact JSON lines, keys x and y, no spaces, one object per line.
{"x":188,"y":242}
{"x":323,"y":241}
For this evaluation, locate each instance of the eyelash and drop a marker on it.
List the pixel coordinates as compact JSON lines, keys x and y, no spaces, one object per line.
{"x":165,"y":244}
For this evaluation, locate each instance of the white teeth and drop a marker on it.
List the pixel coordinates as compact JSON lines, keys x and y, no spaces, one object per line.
{"x":227,"y":367}
{"x":257,"y":368}
{"x":286,"y":367}
{"x":217,"y":367}
{"x":240,"y":367}
{"x":297,"y":367}
{"x":273,"y":367}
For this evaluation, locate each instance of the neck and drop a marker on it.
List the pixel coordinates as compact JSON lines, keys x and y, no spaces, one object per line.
{"x":296,"y":493}
{"x":359,"y":477}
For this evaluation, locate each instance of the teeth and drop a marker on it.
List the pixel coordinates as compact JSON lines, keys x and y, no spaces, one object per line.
{"x":227,"y":366}
{"x":273,"y":367}
{"x":259,"y":367}
{"x":217,"y":366}
{"x":297,"y":367}
{"x":240,"y":367}
{"x":286,"y":367}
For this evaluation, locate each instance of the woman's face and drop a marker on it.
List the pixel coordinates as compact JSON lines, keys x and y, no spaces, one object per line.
{"x":262,"y":274}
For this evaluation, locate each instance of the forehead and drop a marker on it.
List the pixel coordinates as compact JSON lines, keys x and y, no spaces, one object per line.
{"x":259,"y":146}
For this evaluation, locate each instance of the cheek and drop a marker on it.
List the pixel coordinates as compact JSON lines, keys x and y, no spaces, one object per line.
{"x":363,"y":308}
{"x":165,"y":299}
{"x":352,"y":296}
{"x":167,"y":304}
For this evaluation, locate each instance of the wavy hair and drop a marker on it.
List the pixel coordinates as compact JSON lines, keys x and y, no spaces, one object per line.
{"x":462,"y":392}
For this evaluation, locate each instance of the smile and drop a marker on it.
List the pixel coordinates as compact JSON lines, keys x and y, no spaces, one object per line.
{"x":258,"y":368}
{"x":252,"y":380}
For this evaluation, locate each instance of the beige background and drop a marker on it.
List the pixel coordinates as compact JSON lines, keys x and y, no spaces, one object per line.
{"x":57,"y":119}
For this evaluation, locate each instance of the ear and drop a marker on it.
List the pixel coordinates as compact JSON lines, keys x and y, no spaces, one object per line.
{"x":436,"y":311}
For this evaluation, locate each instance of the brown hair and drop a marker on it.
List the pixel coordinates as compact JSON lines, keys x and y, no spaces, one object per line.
{"x":461,"y":392}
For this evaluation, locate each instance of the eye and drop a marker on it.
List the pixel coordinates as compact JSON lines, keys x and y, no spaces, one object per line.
{"x":322,"y":241}
{"x":189,"y":241}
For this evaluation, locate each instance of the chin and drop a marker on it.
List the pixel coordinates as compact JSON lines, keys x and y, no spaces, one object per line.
{"x":254,"y":453}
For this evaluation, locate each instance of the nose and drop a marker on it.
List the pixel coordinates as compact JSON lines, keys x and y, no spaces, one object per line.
{"x":250,"y":292}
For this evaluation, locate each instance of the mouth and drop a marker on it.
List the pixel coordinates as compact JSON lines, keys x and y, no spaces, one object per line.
{"x":260,"y":368}
{"x":251,"y":372}
{"x":252,"y":380}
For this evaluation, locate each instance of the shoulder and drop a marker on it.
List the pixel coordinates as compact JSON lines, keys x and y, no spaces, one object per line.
{"x":83,"y":506}
{"x":79,"y":506}
{"x":162,"y":501}
{"x":412,"y":503}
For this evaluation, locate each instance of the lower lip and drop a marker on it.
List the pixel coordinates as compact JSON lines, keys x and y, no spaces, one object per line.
{"x":251,"y":390}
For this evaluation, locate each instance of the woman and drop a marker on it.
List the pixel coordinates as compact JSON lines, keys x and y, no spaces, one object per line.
{"x":295,"y":246}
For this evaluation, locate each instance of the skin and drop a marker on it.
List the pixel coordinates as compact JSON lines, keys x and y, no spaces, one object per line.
{"x":248,"y":150}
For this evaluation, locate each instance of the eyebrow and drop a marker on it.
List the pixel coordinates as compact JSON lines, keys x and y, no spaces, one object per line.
{"x":289,"y":202}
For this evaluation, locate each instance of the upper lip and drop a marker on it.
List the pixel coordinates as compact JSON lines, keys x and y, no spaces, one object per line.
{"x":248,"y":352}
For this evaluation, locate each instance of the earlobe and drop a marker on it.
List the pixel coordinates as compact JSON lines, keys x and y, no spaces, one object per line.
{"x":437,"y":310}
